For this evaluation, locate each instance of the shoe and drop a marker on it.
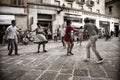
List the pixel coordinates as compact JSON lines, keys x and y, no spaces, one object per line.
{"x":100,"y":61}
{"x":71,"y":53}
{"x":9,"y":54}
{"x":68,"y":54}
{"x":87,"y":60}
{"x":17,"y":54}
{"x":44,"y":50}
{"x":38,"y":51}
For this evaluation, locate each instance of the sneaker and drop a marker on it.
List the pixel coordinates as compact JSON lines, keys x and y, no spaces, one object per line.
{"x":87,"y":60}
{"x":71,"y":53}
{"x":68,"y":54}
{"x":100,"y":61}
{"x":38,"y":51}
{"x":9,"y":54}
{"x":17,"y":54}
{"x":44,"y":50}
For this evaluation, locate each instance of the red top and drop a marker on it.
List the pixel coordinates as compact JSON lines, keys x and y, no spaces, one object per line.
{"x":67,"y":36}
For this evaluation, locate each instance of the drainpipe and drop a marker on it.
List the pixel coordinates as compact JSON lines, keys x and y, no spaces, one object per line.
{"x":28,"y":16}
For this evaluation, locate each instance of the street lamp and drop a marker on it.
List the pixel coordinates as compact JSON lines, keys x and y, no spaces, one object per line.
{"x":61,"y":9}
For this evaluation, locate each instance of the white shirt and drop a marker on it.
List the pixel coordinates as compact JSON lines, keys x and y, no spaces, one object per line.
{"x":12,"y":32}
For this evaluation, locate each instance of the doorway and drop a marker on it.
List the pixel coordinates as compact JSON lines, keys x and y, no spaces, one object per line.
{"x":48,"y":31}
{"x":116,"y":28}
{"x":3,"y":27}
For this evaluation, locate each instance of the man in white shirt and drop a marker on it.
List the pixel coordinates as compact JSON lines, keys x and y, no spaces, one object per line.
{"x":11,"y":33}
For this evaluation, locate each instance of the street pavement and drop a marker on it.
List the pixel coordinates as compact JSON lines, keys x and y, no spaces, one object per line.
{"x":56,"y":65}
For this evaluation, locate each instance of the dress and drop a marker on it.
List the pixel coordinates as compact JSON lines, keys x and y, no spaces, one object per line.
{"x":68,"y":37}
{"x":40,"y":36}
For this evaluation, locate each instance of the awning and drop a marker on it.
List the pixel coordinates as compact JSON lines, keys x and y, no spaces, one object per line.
{"x":73,"y":19}
{"x":104,"y":23}
{"x":6,"y":19}
{"x":116,"y":24}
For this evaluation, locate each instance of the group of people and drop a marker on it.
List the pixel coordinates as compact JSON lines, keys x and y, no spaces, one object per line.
{"x":92,"y":31}
{"x":67,"y":39}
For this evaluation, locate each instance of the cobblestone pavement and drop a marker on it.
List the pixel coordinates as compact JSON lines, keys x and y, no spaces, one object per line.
{"x":55,"y":65}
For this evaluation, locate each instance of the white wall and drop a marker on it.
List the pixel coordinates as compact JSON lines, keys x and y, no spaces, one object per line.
{"x":33,"y":13}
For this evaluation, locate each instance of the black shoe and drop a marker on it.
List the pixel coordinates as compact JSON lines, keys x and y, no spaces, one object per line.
{"x":44,"y":50}
{"x":9,"y":54}
{"x":38,"y":51}
{"x":71,"y":53}
{"x":17,"y":54}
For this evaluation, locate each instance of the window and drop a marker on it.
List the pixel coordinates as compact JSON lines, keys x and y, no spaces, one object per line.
{"x":41,"y":1}
{"x":57,"y":3}
{"x":82,"y":0}
{"x":110,"y":9}
{"x":98,"y":11}
{"x":69,"y":5}
{"x":17,"y":2}
{"x":81,"y":7}
{"x":90,"y":9}
{"x":98,"y":1}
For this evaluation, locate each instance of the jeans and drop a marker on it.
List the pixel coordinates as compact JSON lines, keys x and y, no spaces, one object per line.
{"x":12,"y":45}
{"x":92,"y":44}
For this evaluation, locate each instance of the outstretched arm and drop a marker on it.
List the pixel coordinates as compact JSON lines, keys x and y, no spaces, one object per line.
{"x":33,"y":30}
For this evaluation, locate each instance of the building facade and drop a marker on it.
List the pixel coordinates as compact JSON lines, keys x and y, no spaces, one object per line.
{"x":112,"y":9}
{"x":53,"y":13}
{"x":13,"y":9}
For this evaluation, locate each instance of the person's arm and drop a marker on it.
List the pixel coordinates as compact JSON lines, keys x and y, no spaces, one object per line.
{"x":33,"y":30}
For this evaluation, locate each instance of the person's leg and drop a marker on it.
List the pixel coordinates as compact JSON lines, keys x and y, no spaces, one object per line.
{"x":39,"y":47}
{"x":68,"y":48}
{"x":63,"y":41}
{"x":3,"y":41}
{"x":44,"y":48}
{"x":88,"y":48}
{"x":93,"y":46}
{"x":16,"y":47}
{"x":71,"y":47}
{"x":80,"y":42}
{"x":10,"y":46}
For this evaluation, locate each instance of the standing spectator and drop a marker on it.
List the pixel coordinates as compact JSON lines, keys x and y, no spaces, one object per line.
{"x":68,"y":38}
{"x":112,"y":33}
{"x":11,"y":34}
{"x":3,"y":36}
{"x":106,"y":34}
{"x":55,"y":35}
{"x":58,"y":32}
{"x":80,"y":35}
{"x":62,"y":34}
{"x":92,"y":31}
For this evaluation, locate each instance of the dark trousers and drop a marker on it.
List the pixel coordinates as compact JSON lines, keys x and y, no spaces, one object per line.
{"x":55,"y":38}
{"x":12,"y":44}
{"x":63,"y":41}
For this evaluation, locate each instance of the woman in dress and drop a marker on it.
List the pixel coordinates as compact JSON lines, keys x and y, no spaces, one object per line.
{"x":68,"y":38}
{"x":40,"y":38}
{"x":80,"y":35}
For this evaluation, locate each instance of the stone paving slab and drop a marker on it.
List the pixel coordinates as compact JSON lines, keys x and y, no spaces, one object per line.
{"x":63,"y":77}
{"x":55,"y":65}
{"x":48,"y":75}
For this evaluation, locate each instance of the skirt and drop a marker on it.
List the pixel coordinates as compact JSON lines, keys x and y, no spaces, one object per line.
{"x":39,"y":39}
